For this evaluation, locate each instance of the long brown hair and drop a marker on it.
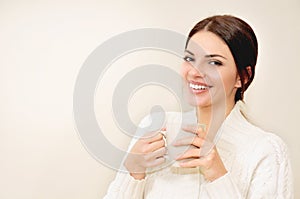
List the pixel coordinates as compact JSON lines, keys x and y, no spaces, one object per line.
{"x":241,"y":40}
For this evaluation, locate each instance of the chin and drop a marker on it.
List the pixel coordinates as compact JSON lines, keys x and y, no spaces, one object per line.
{"x":198,"y":101}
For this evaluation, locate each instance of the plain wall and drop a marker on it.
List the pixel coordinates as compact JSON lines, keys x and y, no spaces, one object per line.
{"x":43,"y":45}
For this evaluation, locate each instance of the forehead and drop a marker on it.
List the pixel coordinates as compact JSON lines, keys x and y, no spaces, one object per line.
{"x":208,"y":43}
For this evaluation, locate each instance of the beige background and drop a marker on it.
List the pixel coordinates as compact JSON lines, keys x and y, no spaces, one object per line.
{"x":43,"y":45}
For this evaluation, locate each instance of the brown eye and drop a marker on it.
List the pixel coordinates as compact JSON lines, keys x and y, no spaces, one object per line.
{"x":217,"y":63}
{"x":188,"y":59}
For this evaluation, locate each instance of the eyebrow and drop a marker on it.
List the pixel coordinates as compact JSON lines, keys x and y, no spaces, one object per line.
{"x":207,"y":56}
{"x":189,"y":52}
{"x":214,"y":55}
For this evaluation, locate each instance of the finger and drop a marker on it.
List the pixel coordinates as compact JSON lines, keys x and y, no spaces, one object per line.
{"x":152,"y":137}
{"x":163,"y":129}
{"x":194,"y":140}
{"x":199,"y":129}
{"x":160,"y":152}
{"x":156,"y":145}
{"x":156,"y":162}
{"x":156,"y":154}
{"x":204,"y":162}
{"x":192,"y":163}
{"x":191,"y":153}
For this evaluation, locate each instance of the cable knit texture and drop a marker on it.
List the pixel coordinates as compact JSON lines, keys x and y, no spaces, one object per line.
{"x":257,"y":163}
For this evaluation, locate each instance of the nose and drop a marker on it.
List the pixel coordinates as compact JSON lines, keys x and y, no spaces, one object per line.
{"x":196,"y":72}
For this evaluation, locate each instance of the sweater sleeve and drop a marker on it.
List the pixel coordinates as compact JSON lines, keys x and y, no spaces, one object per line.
{"x":270,"y":176}
{"x":125,"y":187}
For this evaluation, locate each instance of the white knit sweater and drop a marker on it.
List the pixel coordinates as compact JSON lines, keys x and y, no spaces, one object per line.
{"x":257,"y":163}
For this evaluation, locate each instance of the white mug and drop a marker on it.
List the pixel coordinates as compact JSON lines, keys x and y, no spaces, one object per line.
{"x":175,"y":132}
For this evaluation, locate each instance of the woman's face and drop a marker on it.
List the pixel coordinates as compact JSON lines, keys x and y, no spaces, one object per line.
{"x":209,"y":71}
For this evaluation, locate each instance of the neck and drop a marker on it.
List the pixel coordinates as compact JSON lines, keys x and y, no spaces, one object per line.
{"x":204,"y":115}
{"x":217,"y":112}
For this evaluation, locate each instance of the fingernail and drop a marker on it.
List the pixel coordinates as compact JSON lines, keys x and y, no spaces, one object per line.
{"x":178,"y":156}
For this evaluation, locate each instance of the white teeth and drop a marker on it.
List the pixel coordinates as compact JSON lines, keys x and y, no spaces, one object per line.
{"x":198,"y":87}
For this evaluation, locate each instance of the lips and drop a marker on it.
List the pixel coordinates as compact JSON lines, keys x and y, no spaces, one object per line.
{"x":198,"y":87}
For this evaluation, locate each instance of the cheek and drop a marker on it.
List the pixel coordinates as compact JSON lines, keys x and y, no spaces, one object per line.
{"x":184,"y":70}
{"x":228,"y":79}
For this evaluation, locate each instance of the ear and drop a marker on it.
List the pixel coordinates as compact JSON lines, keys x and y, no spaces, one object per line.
{"x":249,"y":71}
{"x":238,"y":83}
{"x":247,"y":74}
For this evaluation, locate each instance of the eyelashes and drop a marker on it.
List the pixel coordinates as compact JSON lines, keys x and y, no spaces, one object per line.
{"x":210,"y":62}
{"x":215,"y":62}
{"x":188,"y":59}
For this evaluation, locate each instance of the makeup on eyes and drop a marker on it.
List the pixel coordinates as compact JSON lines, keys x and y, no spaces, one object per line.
{"x":192,"y":55}
{"x":209,"y":61}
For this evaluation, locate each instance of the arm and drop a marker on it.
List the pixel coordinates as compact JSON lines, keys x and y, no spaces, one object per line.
{"x":146,"y":151}
{"x":125,"y":187}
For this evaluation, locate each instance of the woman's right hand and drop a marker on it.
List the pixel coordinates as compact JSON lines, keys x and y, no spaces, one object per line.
{"x":147,"y":152}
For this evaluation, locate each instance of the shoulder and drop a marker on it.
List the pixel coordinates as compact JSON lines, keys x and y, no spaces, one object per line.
{"x":246,"y":147}
{"x":261,"y":141}
{"x":272,"y":145}
{"x":246,"y":137}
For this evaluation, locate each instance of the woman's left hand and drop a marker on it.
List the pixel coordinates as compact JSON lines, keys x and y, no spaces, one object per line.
{"x":211,"y":165}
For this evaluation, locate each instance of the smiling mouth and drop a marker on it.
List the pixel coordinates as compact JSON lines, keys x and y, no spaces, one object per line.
{"x":199,"y":86}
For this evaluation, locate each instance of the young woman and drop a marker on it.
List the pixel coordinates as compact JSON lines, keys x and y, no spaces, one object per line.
{"x":246,"y":162}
